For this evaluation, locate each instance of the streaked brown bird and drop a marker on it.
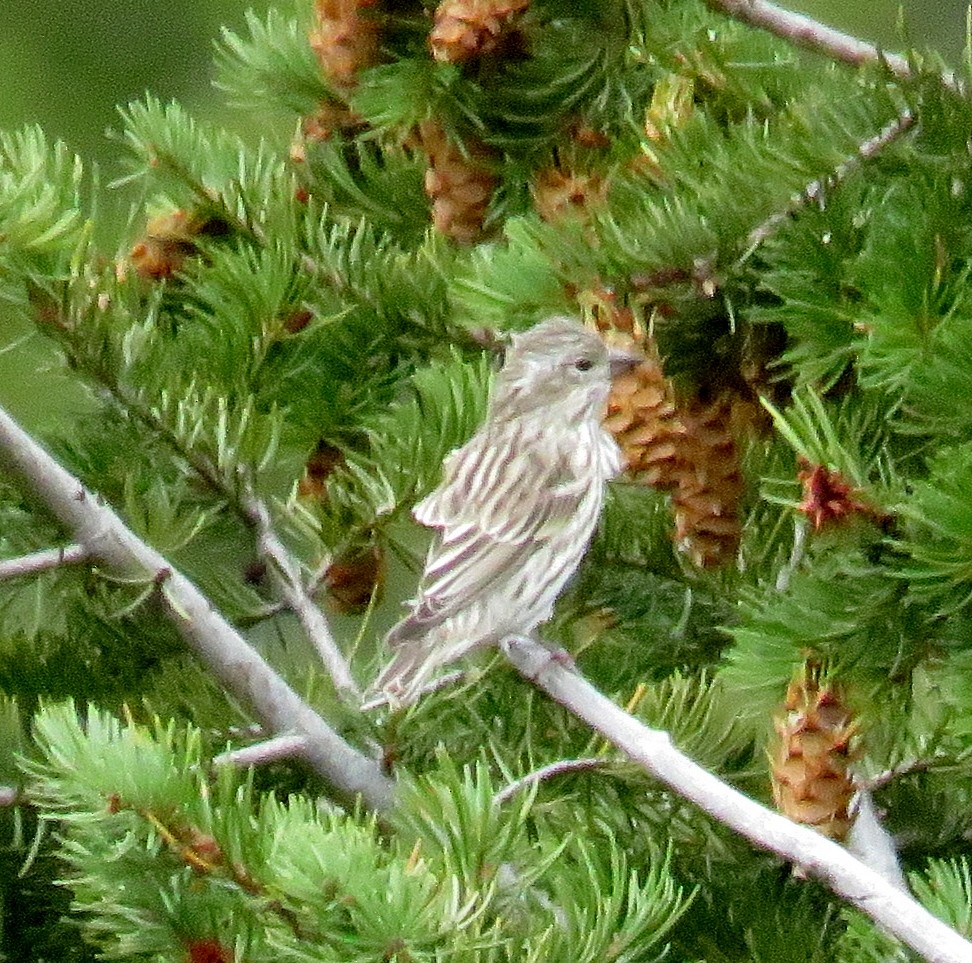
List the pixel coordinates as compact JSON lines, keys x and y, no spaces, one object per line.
{"x":517,"y":505}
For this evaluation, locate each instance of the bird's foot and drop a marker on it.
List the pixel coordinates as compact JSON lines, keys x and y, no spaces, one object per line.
{"x":531,"y":657}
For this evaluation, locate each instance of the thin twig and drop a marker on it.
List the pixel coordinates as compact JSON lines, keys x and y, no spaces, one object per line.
{"x":881,"y":779}
{"x":559,"y":768}
{"x":286,"y":580}
{"x":261,"y":753}
{"x":810,"y":34}
{"x":285,"y":571}
{"x":42,"y":561}
{"x":238,"y":666}
{"x":785,"y":574}
{"x":872,"y":844}
{"x":816,"y":190}
{"x":652,"y":749}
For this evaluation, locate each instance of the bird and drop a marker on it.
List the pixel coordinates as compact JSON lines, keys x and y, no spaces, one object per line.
{"x":516,"y":508}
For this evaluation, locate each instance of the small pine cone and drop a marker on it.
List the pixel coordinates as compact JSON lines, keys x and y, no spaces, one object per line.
{"x":329,"y":119}
{"x":829,"y":499}
{"x":809,"y":765}
{"x":644,"y":421}
{"x":641,"y":410}
{"x":345,"y":39}
{"x":465,"y":29}
{"x":558,"y":193}
{"x":710,"y":484}
{"x":324,"y":459}
{"x":459,"y":184}
{"x":170,"y":239}
{"x":354,"y":578}
{"x":208,"y":951}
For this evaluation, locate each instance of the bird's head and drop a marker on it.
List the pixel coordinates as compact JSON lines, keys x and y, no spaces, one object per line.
{"x":559,"y":365}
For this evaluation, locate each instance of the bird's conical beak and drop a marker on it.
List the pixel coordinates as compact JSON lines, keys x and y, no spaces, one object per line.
{"x":623,"y":359}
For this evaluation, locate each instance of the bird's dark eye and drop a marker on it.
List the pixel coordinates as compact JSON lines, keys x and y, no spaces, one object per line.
{"x":583,"y":364}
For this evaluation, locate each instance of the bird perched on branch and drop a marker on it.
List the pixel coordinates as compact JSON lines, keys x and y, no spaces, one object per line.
{"x":517,"y":505}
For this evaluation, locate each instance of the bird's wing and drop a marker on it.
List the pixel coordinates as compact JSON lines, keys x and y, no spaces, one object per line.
{"x":500,"y":499}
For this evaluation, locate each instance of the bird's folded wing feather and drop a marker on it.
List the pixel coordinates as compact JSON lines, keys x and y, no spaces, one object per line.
{"x":499,"y":501}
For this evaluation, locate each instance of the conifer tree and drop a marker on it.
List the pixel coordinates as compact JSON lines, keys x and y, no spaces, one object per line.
{"x":277,"y":356}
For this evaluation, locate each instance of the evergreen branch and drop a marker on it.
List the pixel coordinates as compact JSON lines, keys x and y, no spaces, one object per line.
{"x":275,"y":64}
{"x":220,"y":171}
{"x":218,"y":645}
{"x":40,"y":204}
{"x":259,"y":754}
{"x":810,"y":34}
{"x":291,"y":589}
{"x":558,"y":768}
{"x":42,"y":561}
{"x":892,"y":909}
{"x":816,"y":189}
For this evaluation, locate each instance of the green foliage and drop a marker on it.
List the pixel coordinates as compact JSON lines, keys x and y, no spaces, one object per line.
{"x":41,"y":223}
{"x":946,"y":889}
{"x":251,"y":190}
{"x":636,"y":624}
{"x":190,"y":859}
{"x":274,"y":65}
{"x":151,"y":826}
{"x":867,"y":631}
{"x":940,"y":548}
{"x":808,"y":270}
{"x":13,"y":742}
{"x":863,"y":942}
{"x":233,"y":325}
{"x":849,"y":439}
{"x":37,"y":922}
{"x":359,"y":265}
{"x":523,"y":279}
{"x":386,"y":186}
{"x":943,"y":372}
{"x":710,"y":208}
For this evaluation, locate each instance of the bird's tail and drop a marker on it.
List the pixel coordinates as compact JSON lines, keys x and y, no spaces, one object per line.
{"x":401,"y":681}
{"x":414,"y":665}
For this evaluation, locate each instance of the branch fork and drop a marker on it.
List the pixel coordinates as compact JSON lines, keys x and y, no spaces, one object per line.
{"x":237,"y":665}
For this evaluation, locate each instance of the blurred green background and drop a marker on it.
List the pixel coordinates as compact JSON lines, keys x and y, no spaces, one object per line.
{"x":66,"y":64}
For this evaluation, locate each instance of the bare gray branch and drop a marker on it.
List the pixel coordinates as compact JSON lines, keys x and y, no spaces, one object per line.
{"x":290,"y":589}
{"x":866,"y":889}
{"x":261,"y":753}
{"x":231,"y":659}
{"x":42,"y":561}
{"x":810,"y":34}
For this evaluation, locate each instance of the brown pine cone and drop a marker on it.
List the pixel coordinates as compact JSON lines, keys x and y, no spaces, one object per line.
{"x":465,"y":29}
{"x":459,"y":184}
{"x":810,"y":762}
{"x":345,"y":39}
{"x":710,"y":485}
